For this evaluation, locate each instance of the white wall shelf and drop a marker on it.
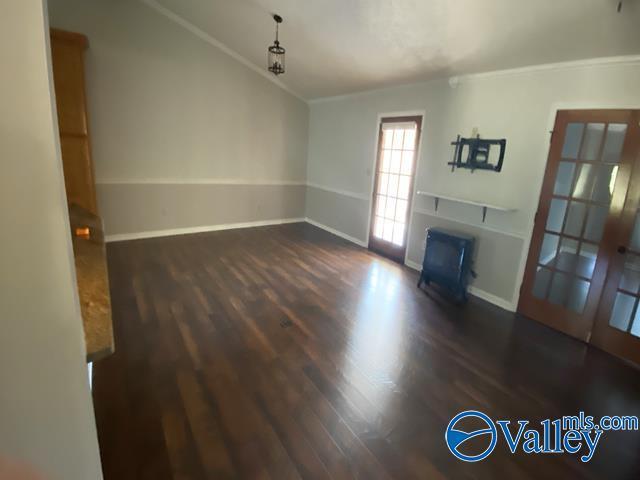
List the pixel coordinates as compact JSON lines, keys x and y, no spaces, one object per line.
{"x":483,"y":205}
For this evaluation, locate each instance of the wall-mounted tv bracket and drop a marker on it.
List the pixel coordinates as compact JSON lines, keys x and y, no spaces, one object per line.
{"x":478,"y":154}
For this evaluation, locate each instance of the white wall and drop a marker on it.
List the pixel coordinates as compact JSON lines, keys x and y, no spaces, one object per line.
{"x":518,"y":106}
{"x":167,"y":108}
{"x":46,"y":414}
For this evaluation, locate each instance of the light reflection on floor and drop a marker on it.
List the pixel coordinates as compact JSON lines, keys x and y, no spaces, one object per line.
{"x":374,"y":360}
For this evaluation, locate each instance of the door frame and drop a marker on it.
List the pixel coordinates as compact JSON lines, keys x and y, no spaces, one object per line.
{"x":577,"y":325}
{"x":374,"y":166}
{"x":399,"y":117}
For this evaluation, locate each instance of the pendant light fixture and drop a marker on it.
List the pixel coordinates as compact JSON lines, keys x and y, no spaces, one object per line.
{"x":276,"y":52}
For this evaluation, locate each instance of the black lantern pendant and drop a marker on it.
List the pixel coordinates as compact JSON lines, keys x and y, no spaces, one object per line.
{"x":276,"y":52}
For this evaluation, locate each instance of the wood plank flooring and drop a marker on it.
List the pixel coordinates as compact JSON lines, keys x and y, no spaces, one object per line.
{"x":285,"y":352}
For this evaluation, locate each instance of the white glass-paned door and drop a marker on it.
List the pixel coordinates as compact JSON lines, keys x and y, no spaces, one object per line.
{"x":394,"y":175}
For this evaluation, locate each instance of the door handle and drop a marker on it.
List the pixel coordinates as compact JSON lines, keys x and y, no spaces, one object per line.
{"x":622,"y":249}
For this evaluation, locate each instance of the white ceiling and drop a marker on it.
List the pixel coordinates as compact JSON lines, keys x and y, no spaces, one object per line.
{"x":336,"y":47}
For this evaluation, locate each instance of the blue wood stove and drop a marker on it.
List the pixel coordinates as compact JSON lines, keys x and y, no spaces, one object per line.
{"x":447,"y":261}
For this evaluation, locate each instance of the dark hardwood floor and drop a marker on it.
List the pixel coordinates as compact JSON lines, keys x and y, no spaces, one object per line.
{"x":286,"y":352}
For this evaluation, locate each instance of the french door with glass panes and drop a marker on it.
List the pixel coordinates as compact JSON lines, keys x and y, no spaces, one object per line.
{"x":581,"y":221}
{"x":617,"y":324}
{"x":398,"y":141}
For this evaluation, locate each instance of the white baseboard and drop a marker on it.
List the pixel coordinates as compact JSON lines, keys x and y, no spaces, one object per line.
{"x":491,"y":298}
{"x":475,"y":291}
{"x":413,"y":265}
{"x":120,"y":237}
{"x":337,"y":233}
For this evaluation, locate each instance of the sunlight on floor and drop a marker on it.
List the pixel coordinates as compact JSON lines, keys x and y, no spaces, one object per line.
{"x":375,"y":361}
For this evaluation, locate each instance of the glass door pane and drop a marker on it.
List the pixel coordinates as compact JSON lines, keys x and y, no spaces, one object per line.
{"x":580,"y":201}
{"x":394,"y":179}
{"x":624,"y":315}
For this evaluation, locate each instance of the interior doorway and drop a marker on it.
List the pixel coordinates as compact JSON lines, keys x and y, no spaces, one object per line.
{"x":583,"y":269}
{"x":398,"y":141}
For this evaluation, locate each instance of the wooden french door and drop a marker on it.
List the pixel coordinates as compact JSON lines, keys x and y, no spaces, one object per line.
{"x":617,"y":324}
{"x":398,"y":142}
{"x":574,"y":270}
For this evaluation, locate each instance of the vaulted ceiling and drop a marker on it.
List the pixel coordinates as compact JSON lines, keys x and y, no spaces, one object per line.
{"x":336,"y":47}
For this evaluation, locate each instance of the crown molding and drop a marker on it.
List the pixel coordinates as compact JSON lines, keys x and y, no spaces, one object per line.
{"x":455,"y":80}
{"x":202,"y":35}
{"x":370,"y":91}
{"x":546,"y":67}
